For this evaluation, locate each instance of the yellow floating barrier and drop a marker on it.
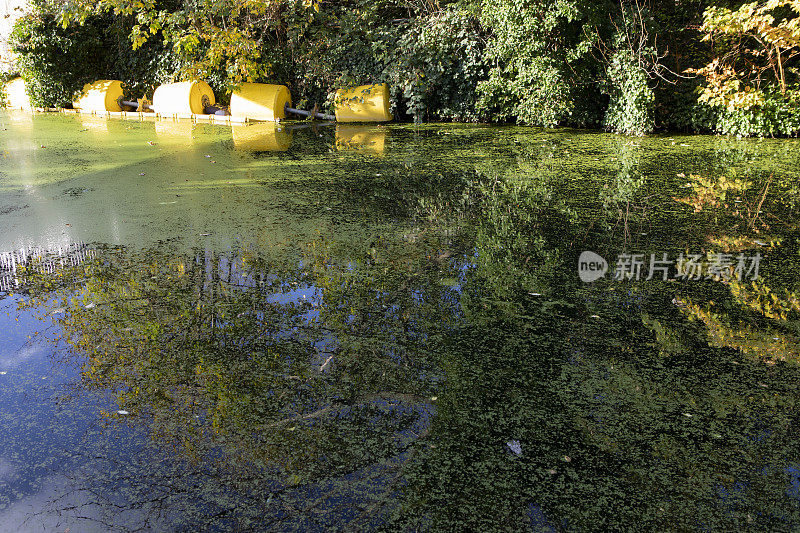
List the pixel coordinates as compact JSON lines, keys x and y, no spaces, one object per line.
{"x":183,"y":98}
{"x":17,"y":94}
{"x":100,"y":96}
{"x":260,"y":101}
{"x":368,"y":139}
{"x":366,"y":103}
{"x":263,"y":137}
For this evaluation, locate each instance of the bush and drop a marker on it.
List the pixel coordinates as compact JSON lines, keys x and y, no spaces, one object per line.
{"x":543,"y":72}
{"x":778,"y":115}
{"x":437,"y":65}
{"x":54,"y":61}
{"x":632,"y":102}
{"x":4,"y":78}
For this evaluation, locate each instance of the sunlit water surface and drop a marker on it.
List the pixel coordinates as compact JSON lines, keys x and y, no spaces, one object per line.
{"x":384,"y":328}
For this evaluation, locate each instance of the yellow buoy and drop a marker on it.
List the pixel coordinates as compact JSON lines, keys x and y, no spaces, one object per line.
{"x":100,"y":96}
{"x":360,"y":138}
{"x":265,"y":137}
{"x":17,"y":95}
{"x":184,"y":98}
{"x":260,"y":101}
{"x":366,"y":103}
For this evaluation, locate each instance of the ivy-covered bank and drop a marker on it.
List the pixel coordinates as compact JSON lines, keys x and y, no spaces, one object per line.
{"x":629,"y":66}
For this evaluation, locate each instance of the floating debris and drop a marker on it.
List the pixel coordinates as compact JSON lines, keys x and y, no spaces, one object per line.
{"x":122,"y":412}
{"x":325,"y":364}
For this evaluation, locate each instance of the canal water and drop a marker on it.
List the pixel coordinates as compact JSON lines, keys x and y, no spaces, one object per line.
{"x":395,"y":328}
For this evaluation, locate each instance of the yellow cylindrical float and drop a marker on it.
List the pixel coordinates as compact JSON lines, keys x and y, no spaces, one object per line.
{"x":99,"y":97}
{"x":260,"y":101}
{"x":264,"y":137}
{"x":368,"y":139}
{"x":17,"y":94}
{"x":183,"y":98}
{"x":365,"y":103}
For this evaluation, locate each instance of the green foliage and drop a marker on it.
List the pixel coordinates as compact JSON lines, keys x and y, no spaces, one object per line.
{"x":751,"y":80}
{"x":437,"y":64}
{"x":542,"y":71}
{"x":5,"y":77}
{"x":631,"y":107}
{"x":775,"y":116}
{"x":55,"y":61}
{"x":633,"y":62}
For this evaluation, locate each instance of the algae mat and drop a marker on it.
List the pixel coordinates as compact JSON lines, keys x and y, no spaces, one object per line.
{"x":441,"y":328}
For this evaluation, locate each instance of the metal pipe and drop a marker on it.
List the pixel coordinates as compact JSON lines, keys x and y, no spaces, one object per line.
{"x":208,"y":109}
{"x":305,"y":113}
